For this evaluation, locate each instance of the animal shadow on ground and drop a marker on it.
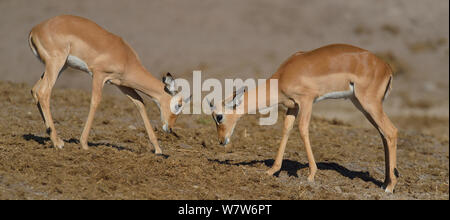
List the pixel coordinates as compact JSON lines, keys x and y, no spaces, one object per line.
{"x":291,"y":167}
{"x":43,"y":140}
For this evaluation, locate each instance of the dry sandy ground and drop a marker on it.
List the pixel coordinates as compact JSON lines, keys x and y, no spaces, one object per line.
{"x":228,"y":39}
{"x":121,"y":165}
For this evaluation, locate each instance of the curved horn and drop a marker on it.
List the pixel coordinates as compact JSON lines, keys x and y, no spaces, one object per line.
{"x":188,"y":99}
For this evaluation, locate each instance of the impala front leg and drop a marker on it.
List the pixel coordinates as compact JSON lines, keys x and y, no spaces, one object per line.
{"x":139,"y":102}
{"x":288,"y":124}
{"x":97,"y":86}
{"x":303,"y":125}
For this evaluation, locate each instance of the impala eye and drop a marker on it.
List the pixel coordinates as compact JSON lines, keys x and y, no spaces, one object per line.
{"x":177,"y":109}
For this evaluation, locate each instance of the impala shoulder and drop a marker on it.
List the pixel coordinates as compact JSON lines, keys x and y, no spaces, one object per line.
{"x":132,"y":54}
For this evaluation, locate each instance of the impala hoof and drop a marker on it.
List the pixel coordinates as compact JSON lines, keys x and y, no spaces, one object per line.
{"x":158,"y":151}
{"x":390,"y":191}
{"x":389,"y":188}
{"x":84,"y":147}
{"x":58,"y":144}
{"x":271,"y":172}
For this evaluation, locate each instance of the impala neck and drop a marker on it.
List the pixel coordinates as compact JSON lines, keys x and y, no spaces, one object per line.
{"x":253,"y":104}
{"x":145,"y":82}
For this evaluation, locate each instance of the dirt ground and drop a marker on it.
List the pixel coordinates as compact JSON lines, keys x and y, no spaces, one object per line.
{"x":121,"y":165}
{"x":227,"y":39}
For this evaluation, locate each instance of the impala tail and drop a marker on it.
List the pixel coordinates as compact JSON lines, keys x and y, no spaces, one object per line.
{"x":33,"y":46}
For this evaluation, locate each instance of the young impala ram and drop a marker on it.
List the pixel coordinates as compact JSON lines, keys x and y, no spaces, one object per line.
{"x":79,"y":43}
{"x":330,"y":72}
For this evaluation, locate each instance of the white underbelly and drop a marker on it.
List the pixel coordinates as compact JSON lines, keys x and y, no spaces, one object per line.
{"x":78,"y":63}
{"x":337,"y":95}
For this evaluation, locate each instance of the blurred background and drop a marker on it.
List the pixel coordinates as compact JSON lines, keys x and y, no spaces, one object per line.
{"x":251,"y":38}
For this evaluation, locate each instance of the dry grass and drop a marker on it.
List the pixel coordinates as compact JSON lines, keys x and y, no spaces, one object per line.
{"x":121,"y":165}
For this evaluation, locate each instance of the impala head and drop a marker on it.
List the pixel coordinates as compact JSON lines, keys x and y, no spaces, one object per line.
{"x":226,"y":116}
{"x":172,"y":105}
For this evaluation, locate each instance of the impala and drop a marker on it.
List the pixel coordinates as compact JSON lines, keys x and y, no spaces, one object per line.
{"x":71,"y":41}
{"x":330,"y":72}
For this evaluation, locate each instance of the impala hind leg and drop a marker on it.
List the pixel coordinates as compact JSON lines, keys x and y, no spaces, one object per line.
{"x":139,"y":102}
{"x":304,"y":119}
{"x":288,"y":124}
{"x":98,"y":81}
{"x":42,"y":92}
{"x":34,"y":91}
{"x":373,"y":110}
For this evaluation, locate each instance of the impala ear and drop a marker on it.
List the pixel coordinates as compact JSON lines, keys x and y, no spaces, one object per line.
{"x":169,"y":82}
{"x":237,"y":95}
{"x":188,"y":99}
{"x":211,"y":105}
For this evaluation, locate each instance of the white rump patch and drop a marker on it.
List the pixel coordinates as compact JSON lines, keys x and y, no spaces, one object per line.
{"x":78,"y":63}
{"x":337,"y":95}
